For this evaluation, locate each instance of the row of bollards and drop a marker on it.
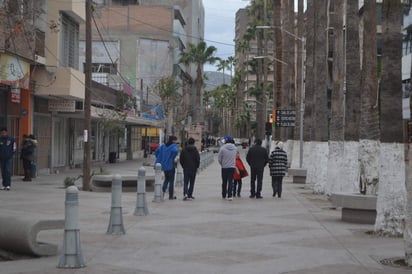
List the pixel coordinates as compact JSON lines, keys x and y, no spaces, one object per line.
{"x":206,"y":158}
{"x":71,"y":255}
{"x":158,"y":193}
{"x":141,"y":203}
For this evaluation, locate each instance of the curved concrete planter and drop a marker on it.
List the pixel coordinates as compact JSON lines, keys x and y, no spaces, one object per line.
{"x":356,"y":207}
{"x":103,"y":183}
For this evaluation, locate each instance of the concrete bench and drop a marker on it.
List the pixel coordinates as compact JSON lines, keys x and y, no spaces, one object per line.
{"x":299,"y":175}
{"x":356,"y":208}
{"x":103,"y":183}
{"x":18,"y":234}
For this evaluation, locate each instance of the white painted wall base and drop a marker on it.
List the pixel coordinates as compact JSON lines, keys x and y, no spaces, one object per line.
{"x":392,"y":190}
{"x":337,"y":167}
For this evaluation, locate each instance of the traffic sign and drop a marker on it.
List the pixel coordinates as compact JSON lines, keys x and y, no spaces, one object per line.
{"x":285,"y":118}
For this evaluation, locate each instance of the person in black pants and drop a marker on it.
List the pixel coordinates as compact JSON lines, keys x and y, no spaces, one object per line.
{"x":257,"y":158}
{"x":278,"y":161}
{"x":27,"y":155}
{"x":190,"y":161}
{"x":7,"y":149}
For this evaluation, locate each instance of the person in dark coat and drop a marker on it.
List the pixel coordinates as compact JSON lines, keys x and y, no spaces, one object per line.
{"x":257,"y":158}
{"x":27,"y":155}
{"x":278,"y":161}
{"x":190,"y":161}
{"x":7,"y":149}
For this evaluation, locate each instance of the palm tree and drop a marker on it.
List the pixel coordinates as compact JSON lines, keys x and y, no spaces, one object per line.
{"x":277,"y":66}
{"x":199,"y":55}
{"x":167,"y":89}
{"x":353,"y":94}
{"x":221,"y":66}
{"x":369,"y":119}
{"x":391,"y":88}
{"x":316,"y":108}
{"x":300,"y":26}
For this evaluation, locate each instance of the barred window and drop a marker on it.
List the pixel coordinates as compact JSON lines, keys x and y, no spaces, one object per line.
{"x":69,"y":53}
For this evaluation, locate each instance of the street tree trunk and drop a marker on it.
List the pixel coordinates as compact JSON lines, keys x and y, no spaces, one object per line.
{"x":277,"y":68}
{"x":321,"y":114}
{"x":352,"y":91}
{"x":299,"y":26}
{"x":369,"y":120}
{"x":391,"y":87}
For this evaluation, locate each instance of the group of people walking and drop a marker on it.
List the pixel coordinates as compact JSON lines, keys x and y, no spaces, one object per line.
{"x":233,"y":169}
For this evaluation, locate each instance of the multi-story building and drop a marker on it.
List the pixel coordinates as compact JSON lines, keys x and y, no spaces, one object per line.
{"x":145,"y":40}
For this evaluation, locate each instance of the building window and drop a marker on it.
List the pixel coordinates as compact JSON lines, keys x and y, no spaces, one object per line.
{"x":69,"y":54}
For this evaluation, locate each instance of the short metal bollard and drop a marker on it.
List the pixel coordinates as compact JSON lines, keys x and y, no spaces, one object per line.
{"x":141,"y":203}
{"x":158,"y":195}
{"x":116,"y":226}
{"x":71,"y":256}
{"x":179,"y":174}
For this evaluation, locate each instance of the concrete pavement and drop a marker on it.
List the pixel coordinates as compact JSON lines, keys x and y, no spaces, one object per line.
{"x":299,"y":233}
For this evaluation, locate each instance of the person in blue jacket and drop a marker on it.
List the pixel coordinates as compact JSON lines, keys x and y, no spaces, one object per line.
{"x":7,"y":149}
{"x":165,"y":155}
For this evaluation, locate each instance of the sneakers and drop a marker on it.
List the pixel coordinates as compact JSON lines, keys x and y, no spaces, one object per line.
{"x":172,"y":198}
{"x":5,"y":188}
{"x":252,"y":196}
{"x":185,"y":198}
{"x":259,"y":197}
{"x":230,"y":199}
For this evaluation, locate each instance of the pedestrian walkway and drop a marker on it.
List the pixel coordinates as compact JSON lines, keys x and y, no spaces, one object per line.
{"x":298,"y":234}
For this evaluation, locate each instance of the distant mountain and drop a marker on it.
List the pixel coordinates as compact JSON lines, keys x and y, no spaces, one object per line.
{"x":215,"y":79}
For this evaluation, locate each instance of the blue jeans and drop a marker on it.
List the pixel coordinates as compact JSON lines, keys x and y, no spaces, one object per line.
{"x":227,"y":182}
{"x":169,"y":181}
{"x":256,"y":173}
{"x":189,"y":177}
{"x":5,"y":165}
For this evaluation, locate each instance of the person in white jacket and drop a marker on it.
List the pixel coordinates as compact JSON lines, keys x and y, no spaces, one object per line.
{"x":227,"y":160}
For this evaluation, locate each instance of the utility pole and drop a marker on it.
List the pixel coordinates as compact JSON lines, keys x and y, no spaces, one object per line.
{"x":87,"y":98}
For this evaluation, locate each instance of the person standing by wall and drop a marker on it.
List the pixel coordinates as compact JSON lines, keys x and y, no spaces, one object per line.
{"x":7,"y":149}
{"x":227,"y":160}
{"x":240,"y":172}
{"x":27,"y":155}
{"x":165,"y":155}
{"x":190,"y":161}
{"x":278,"y":162}
{"x":257,"y":158}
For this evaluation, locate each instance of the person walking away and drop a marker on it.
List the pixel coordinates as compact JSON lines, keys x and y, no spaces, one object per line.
{"x":257,"y":158}
{"x":240,"y":172}
{"x":227,"y":160}
{"x":278,"y":161}
{"x":165,"y":155}
{"x":27,"y":155}
{"x":7,"y":149}
{"x":190,"y":161}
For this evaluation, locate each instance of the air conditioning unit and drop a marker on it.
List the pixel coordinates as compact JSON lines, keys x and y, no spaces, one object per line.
{"x":39,"y":59}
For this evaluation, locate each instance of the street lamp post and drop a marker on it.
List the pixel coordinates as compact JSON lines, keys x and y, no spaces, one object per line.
{"x":302,"y":95}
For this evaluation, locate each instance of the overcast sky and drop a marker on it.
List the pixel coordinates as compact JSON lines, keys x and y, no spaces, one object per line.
{"x":220,"y":26}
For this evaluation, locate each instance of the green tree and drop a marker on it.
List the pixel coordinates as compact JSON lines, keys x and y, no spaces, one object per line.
{"x":167,"y":88}
{"x":199,"y":55}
